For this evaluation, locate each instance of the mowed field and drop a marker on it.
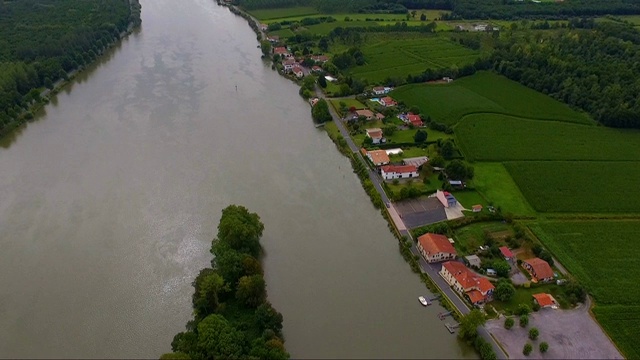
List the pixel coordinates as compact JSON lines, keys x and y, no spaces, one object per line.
{"x":496,"y":137}
{"x":579,"y":186}
{"x":494,"y":182}
{"x":275,"y":14}
{"x":485,"y":92}
{"x":605,"y":257}
{"x":399,"y":55}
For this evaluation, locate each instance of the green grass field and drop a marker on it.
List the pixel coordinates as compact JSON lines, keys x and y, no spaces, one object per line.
{"x":485,"y":92}
{"x":470,"y":237}
{"x":398,"y":55}
{"x":579,"y":186}
{"x":495,"y":137}
{"x":468,"y":198}
{"x":299,"y":11}
{"x":603,"y":255}
{"x":493,"y":181}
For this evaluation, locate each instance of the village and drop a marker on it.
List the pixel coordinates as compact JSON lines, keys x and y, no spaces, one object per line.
{"x":490,"y":264}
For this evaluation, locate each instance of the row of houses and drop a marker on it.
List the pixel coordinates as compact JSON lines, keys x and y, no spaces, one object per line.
{"x":292,"y":65}
{"x":477,"y":289}
{"x":380,"y":159}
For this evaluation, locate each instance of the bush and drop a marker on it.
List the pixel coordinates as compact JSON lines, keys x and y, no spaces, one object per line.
{"x":523,"y":309}
{"x":527,"y":349}
{"x":524,"y":320}
{"x":534,"y":333}
{"x":544,"y":347}
{"x":508,"y":323}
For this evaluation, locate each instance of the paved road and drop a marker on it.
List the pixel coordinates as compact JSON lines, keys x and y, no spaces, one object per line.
{"x":430,"y":269}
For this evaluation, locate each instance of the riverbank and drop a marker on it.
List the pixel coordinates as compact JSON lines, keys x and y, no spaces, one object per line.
{"x":38,"y":97}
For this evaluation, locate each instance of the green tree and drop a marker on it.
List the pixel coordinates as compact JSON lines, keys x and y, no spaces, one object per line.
{"x":457,"y":169}
{"x":420,"y":136}
{"x":217,"y":338}
{"x":524,"y":320}
{"x":48,"y":83}
{"x":437,"y":161}
{"x":240,"y":230}
{"x":251,"y":290}
{"x":265,"y":45}
{"x":508,"y":323}
{"x":267,"y":318}
{"x":447,"y":149}
{"x":534,"y":333}
{"x":423,"y":17}
{"x":205,"y":298}
{"x":544,"y":347}
{"x":526,"y":350}
{"x":322,"y":81}
{"x":228,"y":262}
{"x":185,"y":342}
{"x":272,"y":348}
{"x":504,"y":291}
{"x":320,"y":112}
{"x":175,"y":356}
{"x":389,"y":130}
{"x":501,"y":267}
{"x":523,"y":309}
{"x":469,"y":324}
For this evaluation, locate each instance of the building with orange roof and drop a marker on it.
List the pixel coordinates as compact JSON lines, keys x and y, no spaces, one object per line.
{"x":539,"y":270}
{"x":435,"y":247}
{"x":378,"y":157}
{"x":545,"y":300}
{"x":475,"y":288}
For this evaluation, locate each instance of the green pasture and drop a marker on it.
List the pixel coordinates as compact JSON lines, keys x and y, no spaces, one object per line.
{"x":496,"y":137}
{"x":267,"y":14}
{"x":603,"y":255}
{"x":399,"y":55}
{"x":493,"y":181}
{"x":485,"y":92}
{"x":579,"y":186}
{"x":468,"y":198}
{"x":470,"y":237}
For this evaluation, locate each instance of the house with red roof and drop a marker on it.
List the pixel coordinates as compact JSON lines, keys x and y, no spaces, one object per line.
{"x":508,"y":255}
{"x":390,"y":172}
{"x":282,"y":51}
{"x":539,"y":270}
{"x":414,"y":120}
{"x":320,"y":58}
{"x":376,"y":135}
{"x":316,"y":68}
{"x":388,"y":101}
{"x":435,"y":248}
{"x":545,"y":300}
{"x":297,"y":71}
{"x":288,"y":64}
{"x":377,"y":157}
{"x":475,"y":288}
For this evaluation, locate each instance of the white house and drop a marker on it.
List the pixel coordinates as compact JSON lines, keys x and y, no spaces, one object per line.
{"x":473,"y":260}
{"x":391,"y":172}
{"x":297,"y":71}
{"x":376,"y":135}
{"x":289,"y":64}
{"x":435,"y":247}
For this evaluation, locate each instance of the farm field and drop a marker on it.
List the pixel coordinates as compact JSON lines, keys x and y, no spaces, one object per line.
{"x":603,"y":255}
{"x":496,"y":137}
{"x":470,"y":237}
{"x":281,"y":13}
{"x":493,"y":181}
{"x":485,"y":92}
{"x":399,"y":55}
{"x":579,"y":186}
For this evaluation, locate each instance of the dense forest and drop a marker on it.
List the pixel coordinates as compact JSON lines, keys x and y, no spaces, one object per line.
{"x":592,"y":66}
{"x":42,"y":41}
{"x":467,"y":9}
{"x":232,"y":318}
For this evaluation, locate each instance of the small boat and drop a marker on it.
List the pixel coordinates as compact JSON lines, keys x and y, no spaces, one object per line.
{"x":423,"y":301}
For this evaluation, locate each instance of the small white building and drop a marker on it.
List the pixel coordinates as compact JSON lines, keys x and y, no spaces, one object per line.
{"x":391,"y":172}
{"x":297,"y":71}
{"x":473,"y":260}
{"x":376,"y":135}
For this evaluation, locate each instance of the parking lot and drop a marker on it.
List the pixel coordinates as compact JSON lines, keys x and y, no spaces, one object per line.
{"x":421,"y":211}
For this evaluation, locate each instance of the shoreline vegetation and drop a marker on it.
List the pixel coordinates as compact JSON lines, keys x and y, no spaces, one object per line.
{"x":231,"y":315}
{"x":466,"y":106}
{"x":48,"y":43}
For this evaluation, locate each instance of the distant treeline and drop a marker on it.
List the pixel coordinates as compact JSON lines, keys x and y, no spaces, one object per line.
{"x":468,"y":9}
{"x":592,"y":66}
{"x":42,"y":40}
{"x":232,"y":318}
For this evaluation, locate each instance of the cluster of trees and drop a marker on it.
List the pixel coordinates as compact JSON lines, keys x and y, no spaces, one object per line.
{"x":320,"y":112}
{"x":468,"y":331}
{"x":513,"y":9}
{"x":231,"y":316}
{"x":594,"y":70}
{"x":41,"y":41}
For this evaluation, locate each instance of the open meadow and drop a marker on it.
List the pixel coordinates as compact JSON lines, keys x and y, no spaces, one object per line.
{"x":493,"y":181}
{"x":399,"y":55}
{"x":579,"y":186}
{"x":603,"y":255}
{"x":485,"y":92}
{"x":283,"y":13}
{"x":496,"y":137}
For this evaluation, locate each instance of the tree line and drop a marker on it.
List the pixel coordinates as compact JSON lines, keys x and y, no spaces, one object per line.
{"x":42,"y":41}
{"x":591,"y":66}
{"x":231,"y":315}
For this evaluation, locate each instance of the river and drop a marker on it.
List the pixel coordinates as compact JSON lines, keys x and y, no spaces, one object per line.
{"x":111,"y":197}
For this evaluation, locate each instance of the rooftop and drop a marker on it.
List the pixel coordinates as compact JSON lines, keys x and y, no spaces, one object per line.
{"x":435,"y":243}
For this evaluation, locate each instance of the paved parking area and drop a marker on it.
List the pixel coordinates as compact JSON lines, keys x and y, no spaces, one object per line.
{"x":421,"y":211}
{"x":571,"y":334}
